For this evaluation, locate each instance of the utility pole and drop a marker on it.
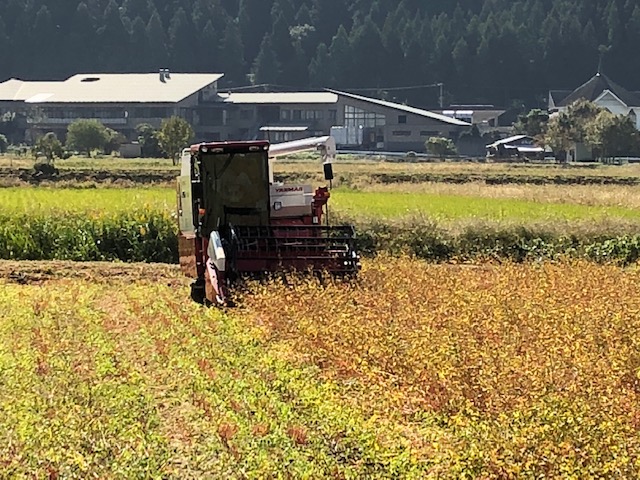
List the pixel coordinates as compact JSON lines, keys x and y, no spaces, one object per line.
{"x":441,"y":98}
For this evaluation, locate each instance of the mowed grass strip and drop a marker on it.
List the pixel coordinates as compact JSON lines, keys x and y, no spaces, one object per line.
{"x":135,"y":224}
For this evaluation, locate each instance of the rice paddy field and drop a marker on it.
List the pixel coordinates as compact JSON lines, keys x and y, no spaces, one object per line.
{"x":492,"y":333}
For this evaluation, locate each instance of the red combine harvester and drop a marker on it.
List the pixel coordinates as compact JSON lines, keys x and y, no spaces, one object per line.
{"x":235,"y":220}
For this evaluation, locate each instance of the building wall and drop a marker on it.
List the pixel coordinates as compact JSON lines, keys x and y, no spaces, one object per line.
{"x":122,"y":118}
{"x":225,"y":121}
{"x":385,"y":128}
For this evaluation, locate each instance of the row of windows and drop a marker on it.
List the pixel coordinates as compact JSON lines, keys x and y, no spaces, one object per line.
{"x":277,"y":137}
{"x":73,"y":113}
{"x":150,"y":112}
{"x":407,"y":133}
{"x":355,"y":117}
{"x":107,"y":112}
{"x":296,"y":114}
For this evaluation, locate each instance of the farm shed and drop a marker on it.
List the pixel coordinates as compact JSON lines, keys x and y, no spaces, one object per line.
{"x":518,"y":146}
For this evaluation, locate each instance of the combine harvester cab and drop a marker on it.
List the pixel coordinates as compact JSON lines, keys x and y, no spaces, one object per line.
{"x":236,"y":221}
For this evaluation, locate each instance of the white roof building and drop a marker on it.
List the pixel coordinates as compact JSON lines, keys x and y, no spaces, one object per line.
{"x":110,"y":88}
{"x":122,"y":101}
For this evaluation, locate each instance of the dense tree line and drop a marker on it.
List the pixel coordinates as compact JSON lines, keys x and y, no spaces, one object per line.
{"x":484,"y":51}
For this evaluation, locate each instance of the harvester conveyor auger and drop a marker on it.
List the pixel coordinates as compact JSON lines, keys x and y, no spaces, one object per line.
{"x":235,"y":221}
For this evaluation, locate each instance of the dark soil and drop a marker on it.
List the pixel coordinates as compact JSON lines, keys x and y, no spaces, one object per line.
{"x":132,"y":178}
{"x":39,"y":272}
{"x":17,"y":176}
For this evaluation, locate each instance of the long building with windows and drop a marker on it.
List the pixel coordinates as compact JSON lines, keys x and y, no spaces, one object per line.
{"x":124,"y":101}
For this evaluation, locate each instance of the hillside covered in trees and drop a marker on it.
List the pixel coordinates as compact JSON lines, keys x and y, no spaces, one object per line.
{"x":503,"y":52}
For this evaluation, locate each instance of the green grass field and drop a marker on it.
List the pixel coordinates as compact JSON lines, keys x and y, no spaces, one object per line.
{"x":348,"y":203}
{"x":443,"y":208}
{"x":90,"y":201}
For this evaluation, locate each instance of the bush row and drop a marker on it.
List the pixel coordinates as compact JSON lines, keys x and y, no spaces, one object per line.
{"x":151,"y":236}
{"x":145,"y":236}
{"x":500,"y":242}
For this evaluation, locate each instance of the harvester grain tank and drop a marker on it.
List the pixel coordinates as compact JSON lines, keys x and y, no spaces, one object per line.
{"x":235,"y":220}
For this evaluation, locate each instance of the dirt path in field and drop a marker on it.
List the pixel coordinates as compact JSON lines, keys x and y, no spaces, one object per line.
{"x":120,"y":178}
{"x":148,"y":177}
{"x":38,"y":272}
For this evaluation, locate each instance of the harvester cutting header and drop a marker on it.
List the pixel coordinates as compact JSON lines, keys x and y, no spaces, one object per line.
{"x":235,"y":220}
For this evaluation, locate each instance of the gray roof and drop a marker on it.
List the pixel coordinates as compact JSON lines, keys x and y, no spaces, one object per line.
{"x":556,"y":96}
{"x":280,"y":97}
{"x":595,"y":86}
{"x":109,"y":88}
{"x":404,"y":108}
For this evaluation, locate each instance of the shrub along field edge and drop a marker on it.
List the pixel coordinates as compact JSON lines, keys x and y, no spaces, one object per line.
{"x":151,"y":236}
{"x":147,"y":236}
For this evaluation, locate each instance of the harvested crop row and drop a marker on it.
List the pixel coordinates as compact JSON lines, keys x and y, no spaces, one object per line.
{"x":415,"y":371}
{"x":504,"y":371}
{"x":111,"y":380}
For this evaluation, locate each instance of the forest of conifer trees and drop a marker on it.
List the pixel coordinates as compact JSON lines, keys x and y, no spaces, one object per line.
{"x":502,"y":52}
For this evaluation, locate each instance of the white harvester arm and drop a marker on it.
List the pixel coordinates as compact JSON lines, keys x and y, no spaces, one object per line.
{"x":325,"y":145}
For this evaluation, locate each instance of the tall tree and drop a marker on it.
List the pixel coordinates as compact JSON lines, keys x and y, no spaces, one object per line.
{"x":340,"y":54}
{"x":209,"y":48}
{"x":320,"y":68}
{"x":113,"y":37}
{"x":182,"y":40}
{"x":232,"y":63}
{"x":157,"y":41}
{"x":366,"y":45}
{"x":137,"y":8}
{"x":44,"y":28}
{"x":266,"y":68}
{"x":283,"y":50}
{"x":5,"y":57}
{"x":139,"y":53}
{"x":285,"y":8}
{"x":327,"y":16}
{"x":80,"y":43}
{"x":253,"y":18}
